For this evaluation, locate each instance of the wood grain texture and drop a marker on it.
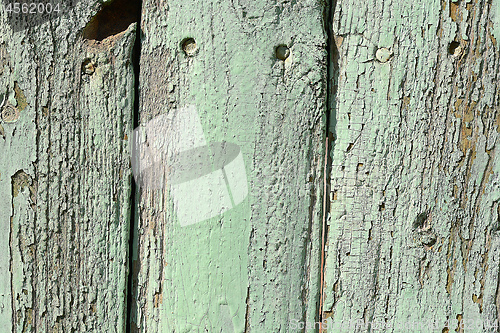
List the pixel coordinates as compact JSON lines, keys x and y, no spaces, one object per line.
{"x":414,"y":238}
{"x":256,"y":266}
{"x":65,"y":176}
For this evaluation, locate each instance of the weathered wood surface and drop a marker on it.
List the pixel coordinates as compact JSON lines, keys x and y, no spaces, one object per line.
{"x":256,"y":266}
{"x":413,"y":224}
{"x":64,"y":176}
{"x":414,"y":229}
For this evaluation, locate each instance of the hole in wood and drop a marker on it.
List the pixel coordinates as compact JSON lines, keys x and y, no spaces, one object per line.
{"x":454,"y":48}
{"x":420,"y":220}
{"x":88,"y":67}
{"x":113,"y":18}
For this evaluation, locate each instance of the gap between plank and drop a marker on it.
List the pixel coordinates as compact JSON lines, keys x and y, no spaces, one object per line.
{"x":133,"y":191}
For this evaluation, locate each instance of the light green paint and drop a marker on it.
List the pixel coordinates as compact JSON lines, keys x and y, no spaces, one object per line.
{"x":274,"y":111}
{"x":395,"y":117}
{"x":64,"y":222}
{"x":495,"y":11}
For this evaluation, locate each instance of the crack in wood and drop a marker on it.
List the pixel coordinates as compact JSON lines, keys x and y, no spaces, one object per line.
{"x":331,"y":90}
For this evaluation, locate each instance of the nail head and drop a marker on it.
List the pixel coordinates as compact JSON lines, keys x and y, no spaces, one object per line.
{"x":9,"y":113}
{"x":383,"y":54}
{"x":282,"y":52}
{"x":189,"y":46}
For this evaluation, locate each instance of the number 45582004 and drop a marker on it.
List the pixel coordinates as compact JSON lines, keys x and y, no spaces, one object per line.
{"x":31,"y":8}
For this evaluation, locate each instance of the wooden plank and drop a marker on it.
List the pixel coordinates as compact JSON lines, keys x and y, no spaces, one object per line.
{"x":413,"y":239}
{"x":254,"y":267}
{"x":64,"y":175}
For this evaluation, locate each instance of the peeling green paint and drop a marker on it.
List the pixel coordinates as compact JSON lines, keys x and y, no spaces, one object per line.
{"x":419,"y":124}
{"x":65,"y":208}
{"x":495,"y":13}
{"x":256,"y":265}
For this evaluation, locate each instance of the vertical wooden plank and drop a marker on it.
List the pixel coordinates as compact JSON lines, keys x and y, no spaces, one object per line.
{"x":64,"y":175}
{"x":255,"y":267}
{"x":413,"y":238}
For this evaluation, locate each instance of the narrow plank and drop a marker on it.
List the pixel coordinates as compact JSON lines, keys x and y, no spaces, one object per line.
{"x":64,"y":175}
{"x":255,"y":267}
{"x":413,"y":239}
